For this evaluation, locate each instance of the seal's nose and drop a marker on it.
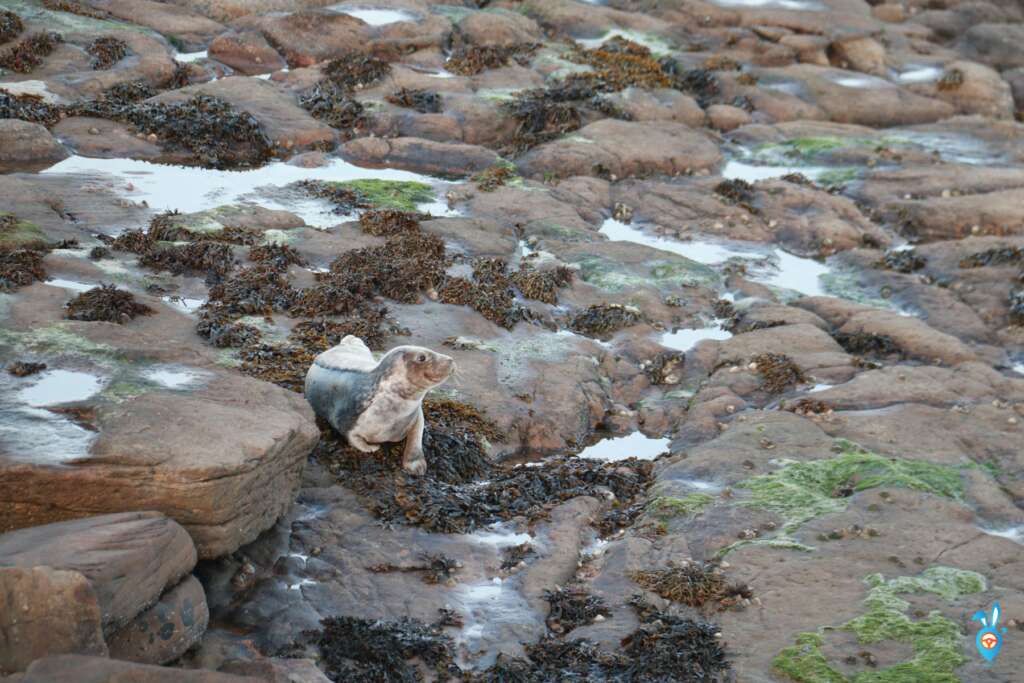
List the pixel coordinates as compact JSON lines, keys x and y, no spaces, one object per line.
{"x":449,"y":365}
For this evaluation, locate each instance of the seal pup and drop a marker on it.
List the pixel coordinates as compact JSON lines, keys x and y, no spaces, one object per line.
{"x":370,"y":402}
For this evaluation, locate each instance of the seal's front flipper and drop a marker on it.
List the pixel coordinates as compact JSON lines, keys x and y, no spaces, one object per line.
{"x":413,"y":461}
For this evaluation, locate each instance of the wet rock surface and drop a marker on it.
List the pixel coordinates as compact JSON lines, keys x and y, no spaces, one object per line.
{"x":734,"y":289}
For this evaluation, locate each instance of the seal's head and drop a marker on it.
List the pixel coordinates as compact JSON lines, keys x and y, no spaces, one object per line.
{"x":423,"y":369}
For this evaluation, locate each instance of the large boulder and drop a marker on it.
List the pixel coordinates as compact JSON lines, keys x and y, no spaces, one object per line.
{"x":27,"y":146}
{"x":308,"y":37}
{"x":47,"y":611}
{"x":288,"y":125}
{"x":224,"y":460}
{"x":166,"y":630}
{"x":420,"y":156}
{"x":620,"y":149}
{"x":1001,"y":46}
{"x":247,"y":52}
{"x":128,"y":559}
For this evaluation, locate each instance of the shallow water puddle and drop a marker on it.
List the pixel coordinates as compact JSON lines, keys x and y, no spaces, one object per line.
{"x":191,"y":189}
{"x":859,"y":81}
{"x":914,"y":73}
{"x":499,"y":536}
{"x":31,"y":433}
{"x":652,"y":43}
{"x":175,"y":376}
{"x":190,"y":57}
{"x":374,"y":16}
{"x":1015,"y":534}
{"x":489,"y":609}
{"x":701,"y":251}
{"x":1018,"y":368}
{"x":184,"y":304}
{"x":954,"y":147}
{"x":806,"y":5}
{"x":776,"y":268}
{"x":61,"y":386}
{"x":635,"y":445}
{"x":70,"y":284}
{"x":684,"y":340}
{"x":751,"y":173}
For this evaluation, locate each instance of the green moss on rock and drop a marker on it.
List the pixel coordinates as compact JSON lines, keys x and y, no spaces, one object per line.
{"x":18,"y":233}
{"x":404,"y":195}
{"x":667,"y":507}
{"x":801,"y":491}
{"x":936,"y":640}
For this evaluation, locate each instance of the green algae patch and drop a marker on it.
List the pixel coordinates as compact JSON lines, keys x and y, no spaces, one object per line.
{"x":612,"y":276}
{"x":404,"y":195}
{"x":809,"y":148}
{"x":936,"y":640}
{"x":838,"y":177}
{"x":668,"y":507}
{"x":16,"y":233}
{"x":55,"y":340}
{"x":801,"y":491}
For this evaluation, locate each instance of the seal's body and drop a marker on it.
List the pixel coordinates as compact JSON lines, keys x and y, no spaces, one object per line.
{"x":370,"y":402}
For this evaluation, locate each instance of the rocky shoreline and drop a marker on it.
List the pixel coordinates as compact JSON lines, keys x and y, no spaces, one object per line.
{"x":735,"y":289}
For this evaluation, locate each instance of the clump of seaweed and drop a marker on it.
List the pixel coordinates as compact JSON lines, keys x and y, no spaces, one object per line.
{"x":344,"y":199}
{"x":99,"y":253}
{"x":701,"y":83}
{"x":1016,"y":306}
{"x":903,"y":260}
{"x":489,"y":293}
{"x":11,"y":26}
{"x":952,"y":79}
{"x":355,"y":649}
{"x":619,"y":63}
{"x":778,"y":372}
{"x":257,"y":290}
{"x":436,"y":568}
{"x":388,"y":222}
{"x":508,"y":492}
{"x":472,"y":59}
{"x":27,"y":107}
{"x":695,"y":584}
{"x":544,"y":114}
{"x":423,"y":101}
{"x":665,"y":368}
{"x":494,"y":177}
{"x":514,"y":555}
{"x":663,"y":648}
{"x":278,"y":256}
{"x":867,"y":343}
{"x":810,"y":406}
{"x":213,"y":259}
{"x":602,"y":320}
{"x":29,"y":53}
{"x":572,"y":607}
{"x":106,"y":303}
{"x":333,"y":104}
{"x":20,"y":268}
{"x":22,"y":368}
{"x":355,"y":70}
{"x":221,"y":328}
{"x":106,"y":51}
{"x":74,"y":8}
{"x":798,"y":179}
{"x":737,"y":192}
{"x":541,"y":285}
{"x":997,"y":256}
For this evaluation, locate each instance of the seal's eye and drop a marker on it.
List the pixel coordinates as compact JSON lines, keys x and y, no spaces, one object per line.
{"x":422,"y":358}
